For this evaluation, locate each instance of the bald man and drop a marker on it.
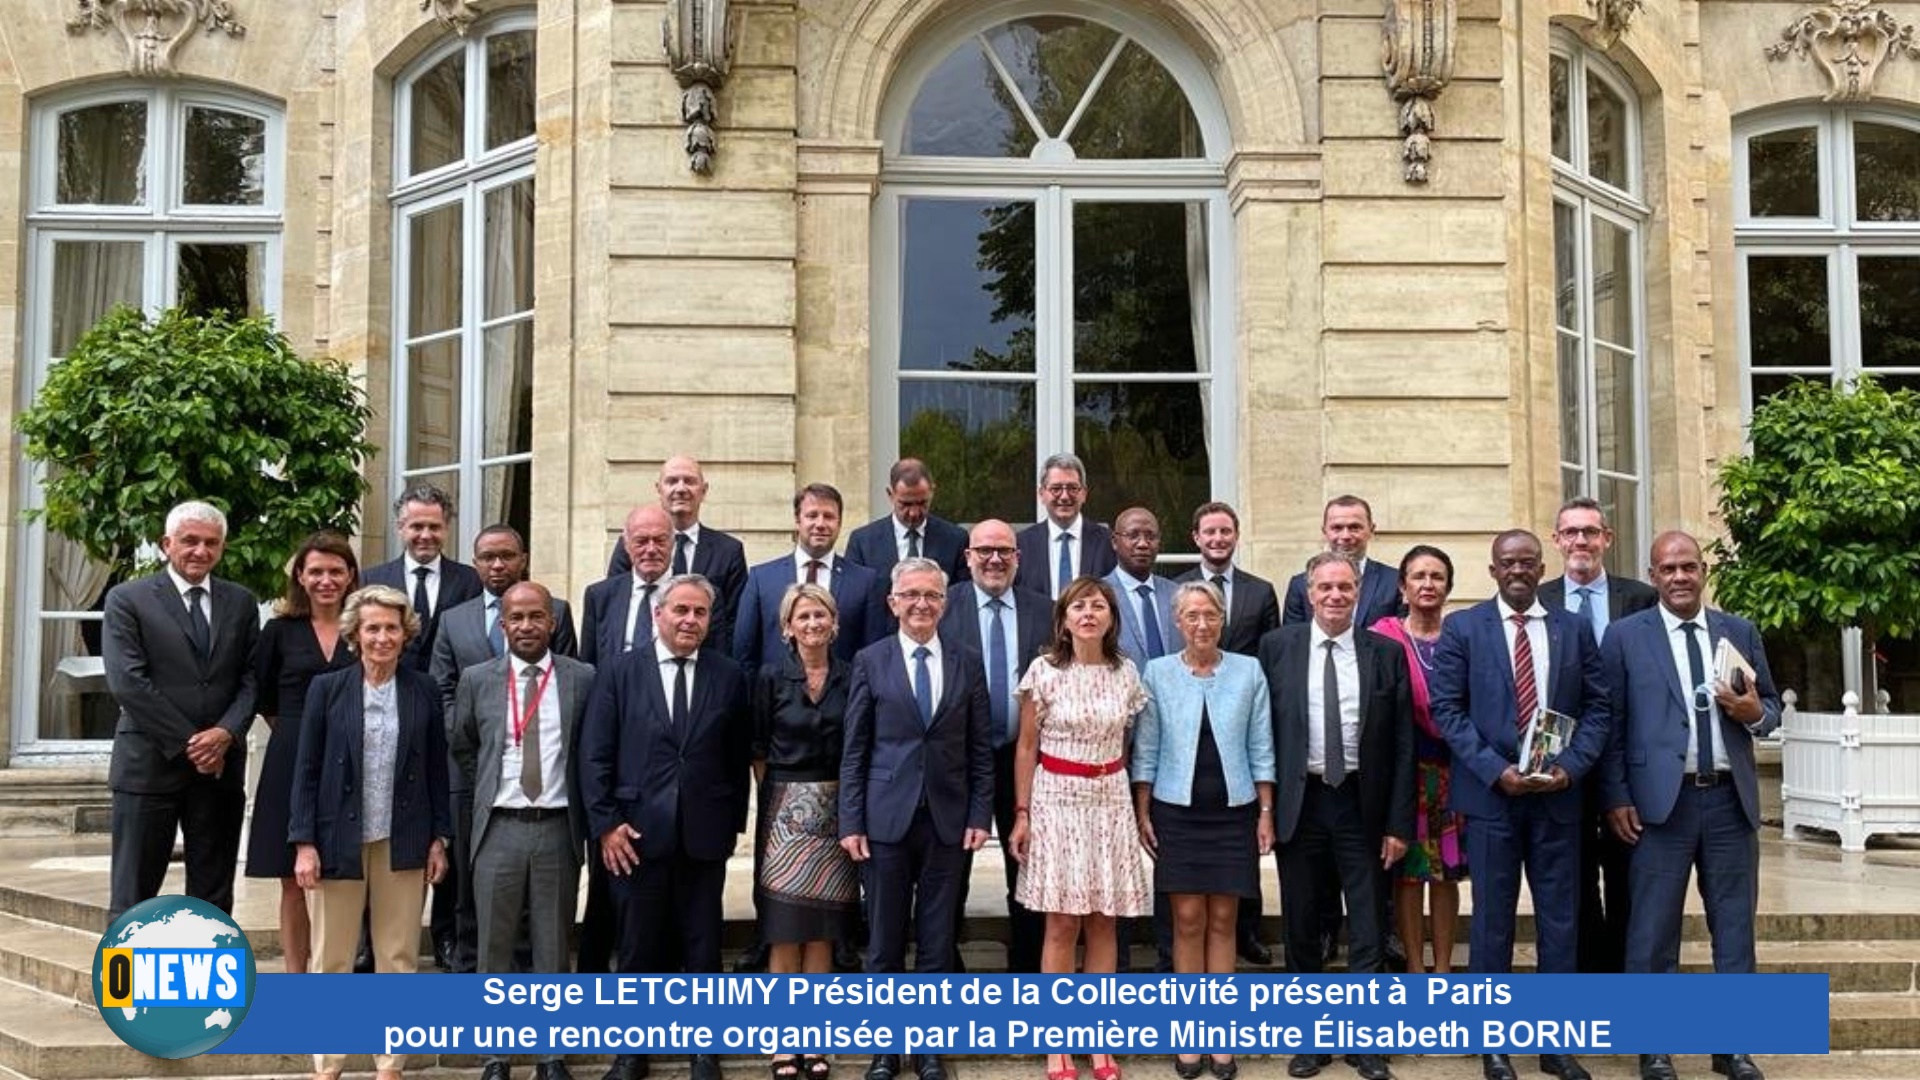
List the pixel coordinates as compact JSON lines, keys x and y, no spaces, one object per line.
{"x":695,"y":548}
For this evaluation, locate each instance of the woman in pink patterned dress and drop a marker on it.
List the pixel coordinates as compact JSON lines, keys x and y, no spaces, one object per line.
{"x":1074,"y":831}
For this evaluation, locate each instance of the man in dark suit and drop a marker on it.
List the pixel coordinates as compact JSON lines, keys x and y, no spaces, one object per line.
{"x":1145,"y":613}
{"x":614,"y":622}
{"x":1067,"y":544}
{"x":697,"y":549}
{"x":1347,"y":527}
{"x":1498,"y":663}
{"x":910,"y":529}
{"x":514,"y":724}
{"x":1580,"y":532}
{"x":856,"y":589}
{"x":664,"y":754}
{"x":1681,"y":786}
{"x":916,"y":782}
{"x":1252,"y":609}
{"x":1006,"y":627}
{"x":178,"y":649}
{"x":471,"y":633}
{"x":1343,"y":747}
{"x":422,"y":515}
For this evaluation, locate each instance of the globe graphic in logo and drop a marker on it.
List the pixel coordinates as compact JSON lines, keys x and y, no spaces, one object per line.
{"x":173,"y":977}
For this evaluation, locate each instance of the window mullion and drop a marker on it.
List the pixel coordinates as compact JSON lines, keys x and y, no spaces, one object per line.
{"x":1053,"y":265}
{"x":1589,"y":351}
{"x":472,"y":349}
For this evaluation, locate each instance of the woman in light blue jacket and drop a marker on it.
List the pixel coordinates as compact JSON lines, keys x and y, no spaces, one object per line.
{"x":1203,"y":788}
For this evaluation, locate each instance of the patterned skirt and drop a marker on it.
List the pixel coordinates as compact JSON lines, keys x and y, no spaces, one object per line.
{"x":1438,"y":852}
{"x":805,"y":885}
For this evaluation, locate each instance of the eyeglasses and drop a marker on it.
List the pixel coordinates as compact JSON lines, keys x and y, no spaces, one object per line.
{"x":994,"y":554}
{"x":1063,"y":489}
{"x":920,"y":597}
{"x":1585,"y":532}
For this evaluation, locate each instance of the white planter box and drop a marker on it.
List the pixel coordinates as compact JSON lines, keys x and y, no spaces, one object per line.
{"x":1854,"y":775}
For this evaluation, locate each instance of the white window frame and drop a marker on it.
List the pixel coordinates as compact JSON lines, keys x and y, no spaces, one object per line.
{"x":160,"y":226}
{"x":465,"y":182}
{"x":1054,"y":188}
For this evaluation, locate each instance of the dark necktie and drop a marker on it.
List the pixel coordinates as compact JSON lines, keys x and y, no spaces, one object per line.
{"x":1065,"y":576}
{"x":923,"y":684}
{"x":1336,"y":755}
{"x":1220,"y":582}
{"x":197,"y":622}
{"x":997,"y":671}
{"x":680,"y":543}
{"x":1526,"y":695}
{"x":680,"y":694}
{"x":1586,"y":608}
{"x":530,"y":783}
{"x":1150,"y":623}
{"x":913,"y":543}
{"x":813,"y":571}
{"x":421,"y":606}
{"x":496,"y":637}
{"x":1702,"y":707}
{"x":642,"y":616}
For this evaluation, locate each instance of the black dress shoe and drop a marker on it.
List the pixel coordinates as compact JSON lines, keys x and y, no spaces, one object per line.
{"x":1308,"y":1064}
{"x":884,"y":1067}
{"x":1497,"y":1067}
{"x":1253,"y":952}
{"x":442,"y":955}
{"x":552,"y":1070}
{"x":627,"y":1067}
{"x":1657,"y":1067}
{"x":1370,"y":1066}
{"x":496,"y":1070}
{"x":1564,"y":1066}
{"x":846,"y":957}
{"x":1737,"y":1067}
{"x":706,"y":1067}
{"x":930,"y":1067}
{"x":752,"y":958}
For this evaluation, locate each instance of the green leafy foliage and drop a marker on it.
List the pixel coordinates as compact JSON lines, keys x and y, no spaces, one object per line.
{"x":1823,"y":516}
{"x":144,"y":415}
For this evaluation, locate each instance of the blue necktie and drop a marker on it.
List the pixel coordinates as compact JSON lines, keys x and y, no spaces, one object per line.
{"x":496,"y":639}
{"x":997,"y":670}
{"x":1702,"y":706}
{"x":923,"y":685}
{"x":1586,"y":609}
{"x":1150,"y":623}
{"x":680,"y":542}
{"x":1065,"y":575}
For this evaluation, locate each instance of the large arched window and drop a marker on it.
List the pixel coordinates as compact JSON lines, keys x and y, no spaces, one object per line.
{"x":1599,"y":220}
{"x":1053,"y":269}
{"x":156,"y":197}
{"x":1827,"y":224}
{"x":463,"y":275}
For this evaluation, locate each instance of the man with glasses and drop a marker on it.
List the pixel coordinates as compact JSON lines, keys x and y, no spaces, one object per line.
{"x":1679,"y":775}
{"x":1007,"y":627}
{"x":1145,"y":613}
{"x":1066,"y":545}
{"x":1497,"y":665}
{"x":916,"y":783}
{"x":1580,"y":532}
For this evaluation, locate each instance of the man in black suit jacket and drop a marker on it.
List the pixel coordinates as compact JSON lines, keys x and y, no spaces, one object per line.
{"x":1025,"y":625}
{"x":664,"y":754}
{"x":1086,"y":546}
{"x":178,"y":648}
{"x":614,"y":622}
{"x":697,"y":549}
{"x":1581,"y":533}
{"x":1343,"y":749}
{"x":910,"y":529}
{"x":1347,"y":527}
{"x":916,"y":782}
{"x":1252,"y":610}
{"x":422,"y":515}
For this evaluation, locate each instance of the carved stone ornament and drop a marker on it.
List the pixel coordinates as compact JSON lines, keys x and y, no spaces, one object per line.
{"x":1849,"y":39}
{"x":154,"y":30}
{"x":455,"y":15}
{"x":1417,"y":54}
{"x":1610,"y":20}
{"x":698,"y":37}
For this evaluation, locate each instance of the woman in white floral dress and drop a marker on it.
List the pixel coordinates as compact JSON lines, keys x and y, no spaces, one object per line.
{"x":1074,"y":831}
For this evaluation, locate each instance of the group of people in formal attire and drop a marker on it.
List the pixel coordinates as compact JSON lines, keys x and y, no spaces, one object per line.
{"x":1138,"y":745}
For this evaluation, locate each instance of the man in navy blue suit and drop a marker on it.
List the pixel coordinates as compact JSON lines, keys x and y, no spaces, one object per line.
{"x":1347,"y":527}
{"x":663,"y":770}
{"x":1067,"y":544}
{"x":1498,"y":663}
{"x":916,"y":782}
{"x":910,"y":529}
{"x":1679,"y":775}
{"x":856,"y":589}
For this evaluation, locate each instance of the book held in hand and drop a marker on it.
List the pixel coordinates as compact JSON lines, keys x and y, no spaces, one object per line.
{"x":1547,"y":734}
{"x":1731,"y":668}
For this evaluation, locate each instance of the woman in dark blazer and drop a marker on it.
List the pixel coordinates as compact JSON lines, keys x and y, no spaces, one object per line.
{"x":370,"y":814}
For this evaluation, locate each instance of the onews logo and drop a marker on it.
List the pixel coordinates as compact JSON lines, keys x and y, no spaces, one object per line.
{"x":173,"y":977}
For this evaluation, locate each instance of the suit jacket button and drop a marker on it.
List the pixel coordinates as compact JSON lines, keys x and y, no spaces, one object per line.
{"x":353,"y":815}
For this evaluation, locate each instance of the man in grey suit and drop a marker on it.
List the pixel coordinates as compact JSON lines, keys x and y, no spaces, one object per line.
{"x":1147,"y":630}
{"x":471,"y":633}
{"x":514,"y":725}
{"x":178,"y":647}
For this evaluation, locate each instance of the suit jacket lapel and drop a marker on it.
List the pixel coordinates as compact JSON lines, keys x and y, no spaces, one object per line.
{"x":169,"y":600}
{"x":1494,"y":635}
{"x":1558,"y":646}
{"x":356,"y":694}
{"x":1294,"y":662}
{"x":950,"y":676}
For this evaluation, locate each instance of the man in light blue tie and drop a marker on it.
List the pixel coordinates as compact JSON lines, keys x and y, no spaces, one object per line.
{"x":1147,"y":630}
{"x":1065,"y":544}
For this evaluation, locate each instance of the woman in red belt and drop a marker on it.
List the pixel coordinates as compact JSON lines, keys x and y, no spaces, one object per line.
{"x":1074,"y":831}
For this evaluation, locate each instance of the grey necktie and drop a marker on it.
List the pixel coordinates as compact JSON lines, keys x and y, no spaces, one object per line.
{"x":530,"y":782}
{"x":1336,"y":756}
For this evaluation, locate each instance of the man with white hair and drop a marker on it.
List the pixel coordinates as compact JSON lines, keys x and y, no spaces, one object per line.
{"x":178,"y":647}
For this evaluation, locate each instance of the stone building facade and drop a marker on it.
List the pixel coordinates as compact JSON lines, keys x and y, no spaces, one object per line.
{"x":1463,"y":257}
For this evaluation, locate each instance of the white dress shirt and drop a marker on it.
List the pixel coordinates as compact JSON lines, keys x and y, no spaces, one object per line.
{"x":1536,"y":637}
{"x":1078,"y":527}
{"x":800,"y":561}
{"x":1677,"y":643}
{"x":907,"y":645}
{"x":433,"y":582}
{"x":553,"y":741}
{"x":1346,"y":668}
{"x":900,"y":538}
